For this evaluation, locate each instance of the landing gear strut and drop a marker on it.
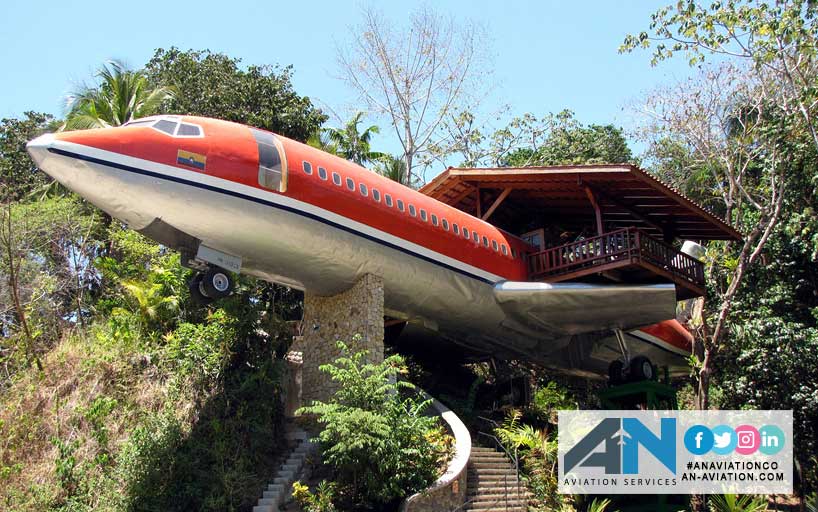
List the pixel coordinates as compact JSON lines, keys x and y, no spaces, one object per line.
{"x":212,"y":284}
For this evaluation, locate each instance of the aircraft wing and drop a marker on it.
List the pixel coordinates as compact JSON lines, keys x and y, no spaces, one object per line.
{"x":561,"y":309}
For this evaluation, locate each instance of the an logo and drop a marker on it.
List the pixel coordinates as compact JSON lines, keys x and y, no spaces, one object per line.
{"x":621,"y":438}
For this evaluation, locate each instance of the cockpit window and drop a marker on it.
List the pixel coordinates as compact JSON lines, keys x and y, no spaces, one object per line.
{"x":141,"y":122}
{"x":272,"y":164}
{"x":169,"y":125}
{"x":166,"y":125}
{"x":188,"y":130}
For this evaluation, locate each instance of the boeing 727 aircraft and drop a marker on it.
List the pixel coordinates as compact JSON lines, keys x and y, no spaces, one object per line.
{"x":232,"y":198}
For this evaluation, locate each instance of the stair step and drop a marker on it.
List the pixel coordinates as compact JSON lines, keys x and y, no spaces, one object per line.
{"x":275,"y":488}
{"x":506,"y":470}
{"x":263,"y":508}
{"x":489,"y":490}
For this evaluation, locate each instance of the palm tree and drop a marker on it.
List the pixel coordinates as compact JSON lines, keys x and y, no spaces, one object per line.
{"x":121,"y":96}
{"x":394,"y":168}
{"x":352,"y":144}
{"x":320,"y":140}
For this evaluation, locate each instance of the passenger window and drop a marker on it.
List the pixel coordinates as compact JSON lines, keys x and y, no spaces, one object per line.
{"x":505,"y":249}
{"x":388,"y":199}
{"x":485,"y":241}
{"x":307,"y":167}
{"x":494,"y":245}
{"x":336,"y":178}
{"x":423,"y":216}
{"x":376,"y":195}
{"x":434,"y":220}
{"x":351,"y":184}
{"x":445,"y":224}
{"x":363,"y":189}
{"x":476,"y":237}
{"x":465,"y":232}
{"x":456,"y":229}
{"x":322,"y":173}
{"x":272,"y":168}
{"x":400,"y":204}
{"x":412,"y":210}
{"x":513,"y":253}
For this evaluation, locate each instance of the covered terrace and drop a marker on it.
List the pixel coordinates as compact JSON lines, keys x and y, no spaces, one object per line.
{"x":591,"y":223}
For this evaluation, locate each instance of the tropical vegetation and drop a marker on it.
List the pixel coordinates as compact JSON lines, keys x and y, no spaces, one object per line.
{"x":376,"y":434}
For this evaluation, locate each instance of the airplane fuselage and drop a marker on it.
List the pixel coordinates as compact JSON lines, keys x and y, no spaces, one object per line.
{"x":296,"y":215}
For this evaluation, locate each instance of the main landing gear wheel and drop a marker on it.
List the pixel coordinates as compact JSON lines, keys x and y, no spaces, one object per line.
{"x":639,"y":369}
{"x":215,"y":283}
{"x":615,"y":373}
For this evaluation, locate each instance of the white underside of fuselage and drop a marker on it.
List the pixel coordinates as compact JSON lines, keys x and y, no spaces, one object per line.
{"x":285,"y":240}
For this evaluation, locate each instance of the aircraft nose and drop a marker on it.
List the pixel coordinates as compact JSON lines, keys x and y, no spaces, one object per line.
{"x":38,"y":148}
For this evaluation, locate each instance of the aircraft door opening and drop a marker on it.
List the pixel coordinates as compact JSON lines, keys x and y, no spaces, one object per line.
{"x":272,"y":162}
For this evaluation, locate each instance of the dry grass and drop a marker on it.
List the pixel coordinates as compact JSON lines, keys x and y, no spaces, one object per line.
{"x":41,"y":406}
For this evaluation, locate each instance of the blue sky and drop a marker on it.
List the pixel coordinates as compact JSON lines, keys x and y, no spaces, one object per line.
{"x":548,"y":55}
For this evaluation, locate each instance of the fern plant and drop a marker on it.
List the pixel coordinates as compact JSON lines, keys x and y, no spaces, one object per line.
{"x":737,"y":503}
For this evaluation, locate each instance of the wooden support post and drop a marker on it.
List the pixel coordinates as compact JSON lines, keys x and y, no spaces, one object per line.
{"x":479,"y":205}
{"x":503,"y":195}
{"x":597,"y":209}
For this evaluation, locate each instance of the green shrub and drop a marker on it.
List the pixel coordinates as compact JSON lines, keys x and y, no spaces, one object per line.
{"x":378,"y":441}
{"x":320,"y":501}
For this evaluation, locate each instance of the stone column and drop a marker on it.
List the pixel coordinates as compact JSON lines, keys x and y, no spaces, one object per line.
{"x":354,"y":317}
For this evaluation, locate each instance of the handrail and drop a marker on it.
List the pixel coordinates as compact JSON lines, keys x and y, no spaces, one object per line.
{"x":514,"y":458}
{"x":616,"y":246}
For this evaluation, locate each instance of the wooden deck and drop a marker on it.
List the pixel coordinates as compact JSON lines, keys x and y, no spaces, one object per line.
{"x":627,"y":255}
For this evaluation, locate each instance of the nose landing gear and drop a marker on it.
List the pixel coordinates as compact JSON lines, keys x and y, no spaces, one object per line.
{"x":212,"y":284}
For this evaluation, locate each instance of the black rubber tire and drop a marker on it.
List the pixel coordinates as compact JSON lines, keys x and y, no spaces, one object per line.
{"x":195,"y":288}
{"x":217,"y":283}
{"x":615,"y":375}
{"x":641,"y":369}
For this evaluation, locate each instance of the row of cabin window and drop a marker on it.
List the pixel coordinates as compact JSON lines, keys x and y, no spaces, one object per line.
{"x":376,"y":195}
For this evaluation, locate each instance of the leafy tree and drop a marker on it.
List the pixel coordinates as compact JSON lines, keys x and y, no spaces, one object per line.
{"x":214,"y":85}
{"x":352,"y":144}
{"x":380,"y":444}
{"x":121,"y":95}
{"x":569,"y":143}
{"x":18,"y":175}
{"x":46,"y":254}
{"x":776,"y":39}
{"x":555,"y":139}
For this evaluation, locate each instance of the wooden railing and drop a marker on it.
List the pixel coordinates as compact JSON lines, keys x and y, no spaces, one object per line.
{"x":615,"y":249}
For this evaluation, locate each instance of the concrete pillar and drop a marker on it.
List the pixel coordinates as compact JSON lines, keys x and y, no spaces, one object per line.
{"x":354,"y":317}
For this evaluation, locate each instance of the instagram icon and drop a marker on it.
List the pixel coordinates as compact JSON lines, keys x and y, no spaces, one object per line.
{"x":747,"y":439}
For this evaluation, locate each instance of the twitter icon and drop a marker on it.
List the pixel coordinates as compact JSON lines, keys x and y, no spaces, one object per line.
{"x":724,"y":440}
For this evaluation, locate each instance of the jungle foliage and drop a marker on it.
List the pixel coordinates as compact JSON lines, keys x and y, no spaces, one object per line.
{"x":375,"y":435}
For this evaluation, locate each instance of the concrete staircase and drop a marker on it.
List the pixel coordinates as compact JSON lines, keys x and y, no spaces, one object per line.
{"x":281,"y":487}
{"x":492,"y":483}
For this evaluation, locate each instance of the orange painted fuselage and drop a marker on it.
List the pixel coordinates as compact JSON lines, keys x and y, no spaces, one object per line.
{"x":294,"y":214}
